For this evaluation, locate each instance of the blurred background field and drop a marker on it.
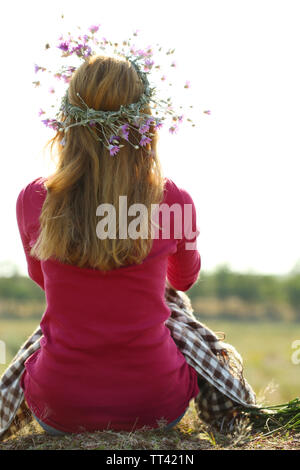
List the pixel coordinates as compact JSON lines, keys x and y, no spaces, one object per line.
{"x":259,"y":314}
{"x":267,"y":354}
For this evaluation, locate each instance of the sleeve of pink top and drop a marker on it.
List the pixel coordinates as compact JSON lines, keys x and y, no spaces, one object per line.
{"x":33,"y":265}
{"x":185,"y":264}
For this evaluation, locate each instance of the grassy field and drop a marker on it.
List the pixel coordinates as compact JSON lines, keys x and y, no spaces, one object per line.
{"x":266,"y":349}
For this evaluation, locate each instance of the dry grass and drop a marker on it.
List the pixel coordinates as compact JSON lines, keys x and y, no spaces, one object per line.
{"x":190,"y":434}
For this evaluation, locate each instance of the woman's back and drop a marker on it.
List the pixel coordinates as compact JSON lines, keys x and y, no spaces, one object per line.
{"x":107,"y":360}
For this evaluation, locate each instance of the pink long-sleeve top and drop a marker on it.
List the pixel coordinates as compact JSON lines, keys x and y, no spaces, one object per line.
{"x":107,"y":360}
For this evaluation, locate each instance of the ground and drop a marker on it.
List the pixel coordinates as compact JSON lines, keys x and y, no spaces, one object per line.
{"x":190,"y":434}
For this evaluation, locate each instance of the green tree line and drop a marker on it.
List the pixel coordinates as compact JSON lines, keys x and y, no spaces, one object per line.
{"x":251,"y":288}
{"x":223,"y":283}
{"x":20,"y":288}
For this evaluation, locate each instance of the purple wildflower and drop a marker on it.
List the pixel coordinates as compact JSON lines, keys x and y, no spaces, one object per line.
{"x":113,"y":150}
{"x":148,"y":65}
{"x":77,"y":48}
{"x":144,"y":128}
{"x":124,"y":131}
{"x":114,"y":139}
{"x":207,"y":112}
{"x":52,"y":123}
{"x":145,"y":140}
{"x":141,"y":53}
{"x":92,"y":123}
{"x":36,"y":68}
{"x":66,"y":78}
{"x":64,"y":46}
{"x":173,"y":129}
{"x":180,"y":119}
{"x":41,"y":112}
{"x":94,"y":28}
{"x":149,"y":62}
{"x":82,"y":50}
{"x":158,"y":125}
{"x":88,"y":51}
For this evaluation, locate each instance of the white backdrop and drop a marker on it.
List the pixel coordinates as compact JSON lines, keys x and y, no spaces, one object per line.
{"x":241,"y":164}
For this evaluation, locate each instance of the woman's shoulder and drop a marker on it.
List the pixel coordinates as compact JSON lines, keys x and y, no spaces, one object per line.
{"x":32,"y":196}
{"x":176,"y":193}
{"x":35,"y":188}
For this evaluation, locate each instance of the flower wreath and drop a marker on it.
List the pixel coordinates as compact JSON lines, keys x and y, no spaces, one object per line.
{"x":114,"y":126}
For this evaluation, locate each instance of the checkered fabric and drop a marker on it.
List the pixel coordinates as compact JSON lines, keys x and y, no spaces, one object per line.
{"x":223,"y":388}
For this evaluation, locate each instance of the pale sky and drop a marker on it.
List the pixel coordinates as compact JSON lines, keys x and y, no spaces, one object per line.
{"x":241,"y":163}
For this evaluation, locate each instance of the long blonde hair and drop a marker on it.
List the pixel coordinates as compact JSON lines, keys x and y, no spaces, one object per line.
{"x":86,"y":176}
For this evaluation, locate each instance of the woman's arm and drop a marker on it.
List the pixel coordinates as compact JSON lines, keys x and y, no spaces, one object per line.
{"x":34,"y":266}
{"x":184,"y":265}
